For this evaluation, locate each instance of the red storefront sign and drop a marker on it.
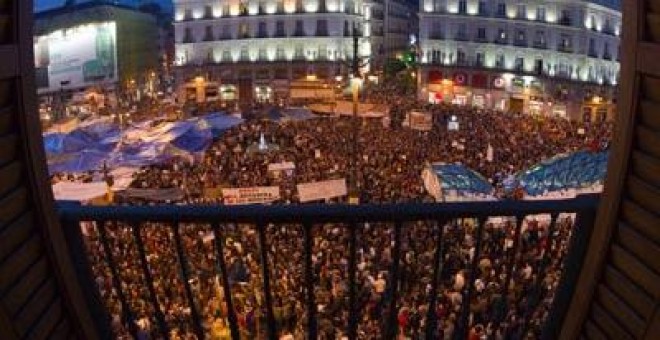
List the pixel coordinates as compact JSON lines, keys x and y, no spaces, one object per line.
{"x":435,"y":77}
{"x":479,"y":80}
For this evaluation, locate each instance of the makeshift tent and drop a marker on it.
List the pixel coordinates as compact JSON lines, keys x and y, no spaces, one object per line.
{"x":97,"y":141}
{"x":298,"y":113}
{"x":572,"y":171}
{"x":460,"y":179}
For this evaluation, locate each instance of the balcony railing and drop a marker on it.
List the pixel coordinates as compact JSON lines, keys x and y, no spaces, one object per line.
{"x":109,"y":231}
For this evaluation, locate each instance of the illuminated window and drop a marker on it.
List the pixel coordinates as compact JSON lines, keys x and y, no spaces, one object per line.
{"x":521,"y":12}
{"x":208,"y":12}
{"x":540,"y":13}
{"x":243,"y":31}
{"x":462,"y":6}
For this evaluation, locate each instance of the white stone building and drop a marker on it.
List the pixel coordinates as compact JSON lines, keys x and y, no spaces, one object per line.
{"x":527,"y":56}
{"x":261,"y":49}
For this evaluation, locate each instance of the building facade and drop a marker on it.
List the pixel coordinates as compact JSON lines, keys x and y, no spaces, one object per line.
{"x":541,"y":57}
{"x":85,"y":45}
{"x":263,"y":49}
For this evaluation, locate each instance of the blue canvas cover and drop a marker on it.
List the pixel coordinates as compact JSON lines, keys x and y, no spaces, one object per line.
{"x":219,"y":122}
{"x":92,"y":143}
{"x":570,"y":171}
{"x":462,"y":179}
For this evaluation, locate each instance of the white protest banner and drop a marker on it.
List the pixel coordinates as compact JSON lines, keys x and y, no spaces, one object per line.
{"x":282,"y":166}
{"x":489,"y":153}
{"x":420,"y":121}
{"x":317,"y":191}
{"x":254,"y":195}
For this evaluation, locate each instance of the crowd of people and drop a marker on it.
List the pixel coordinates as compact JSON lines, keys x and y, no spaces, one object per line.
{"x":514,"y":279}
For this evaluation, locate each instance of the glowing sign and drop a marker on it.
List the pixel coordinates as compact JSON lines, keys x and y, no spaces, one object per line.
{"x":76,"y":57}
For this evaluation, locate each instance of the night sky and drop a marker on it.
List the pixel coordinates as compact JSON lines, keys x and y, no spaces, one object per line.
{"x":40,"y":5}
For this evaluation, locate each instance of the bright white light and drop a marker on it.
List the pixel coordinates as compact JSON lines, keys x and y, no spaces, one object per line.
{"x":528,"y":79}
{"x":452,"y":8}
{"x":197,"y":13}
{"x":472,"y":8}
{"x":178,"y":16}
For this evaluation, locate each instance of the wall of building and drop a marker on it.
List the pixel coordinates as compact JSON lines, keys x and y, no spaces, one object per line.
{"x":572,"y":42}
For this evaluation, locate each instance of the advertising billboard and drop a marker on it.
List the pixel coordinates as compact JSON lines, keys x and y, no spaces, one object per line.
{"x":77,"y":57}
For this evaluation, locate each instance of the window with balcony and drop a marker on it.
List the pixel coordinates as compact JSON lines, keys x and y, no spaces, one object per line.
{"x":243,"y":31}
{"x":500,"y":61}
{"x":565,"y":43}
{"x":243,"y":9}
{"x":481,"y":34}
{"x":226,"y":32}
{"x":461,"y":58}
{"x":262,"y":55}
{"x":279,"y":54}
{"x":322,"y":28}
{"x":479,"y":61}
{"x":187,"y":14}
{"x":521,"y":38}
{"x":280,"y":31}
{"x":461,"y":32}
{"x":208,"y":33}
{"x":299,"y":52}
{"x":521,"y":11}
{"x":539,"y":41}
{"x":565,"y":18}
{"x":226,"y":56}
{"x":245,"y":54}
{"x":188,"y":36}
{"x":208,"y":12}
{"x":300,"y":29}
{"x":501,"y":10}
{"x":519,"y":65}
{"x":501,"y":36}
{"x":462,"y":6}
{"x":592,"y":48}
{"x":606,"y":52}
{"x":540,"y":13}
{"x":280,"y":7}
{"x":263,"y":30}
{"x":483,"y":8}
{"x":538,"y":66}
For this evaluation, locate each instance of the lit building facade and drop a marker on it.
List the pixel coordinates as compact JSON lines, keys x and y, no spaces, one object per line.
{"x":540,"y":57}
{"x":262,"y":49}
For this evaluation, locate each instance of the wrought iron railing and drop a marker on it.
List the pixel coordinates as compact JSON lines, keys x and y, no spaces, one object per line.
{"x":437,"y":217}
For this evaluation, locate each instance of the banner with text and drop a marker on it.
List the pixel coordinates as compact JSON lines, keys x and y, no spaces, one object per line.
{"x":317,"y":191}
{"x":420,"y":121}
{"x":254,"y":195}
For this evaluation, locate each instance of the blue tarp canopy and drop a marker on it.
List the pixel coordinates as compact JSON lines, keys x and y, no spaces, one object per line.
{"x":571,"y":171}
{"x":219,"y":122}
{"x":461,"y":179}
{"x":99,"y":141}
